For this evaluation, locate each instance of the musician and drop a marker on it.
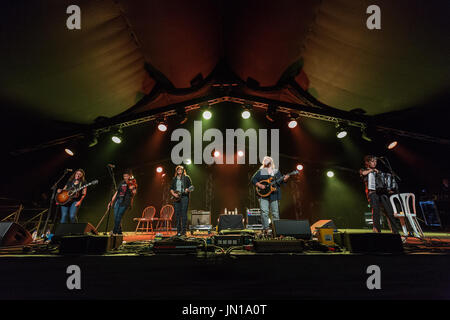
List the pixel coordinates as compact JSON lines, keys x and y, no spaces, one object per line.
{"x":271,"y":202}
{"x":179,"y":188}
{"x":70,"y":209}
{"x":123,"y":199}
{"x":377,"y":196}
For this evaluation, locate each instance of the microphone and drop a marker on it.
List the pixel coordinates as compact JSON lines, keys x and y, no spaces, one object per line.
{"x":110,"y":165}
{"x":69,"y":170}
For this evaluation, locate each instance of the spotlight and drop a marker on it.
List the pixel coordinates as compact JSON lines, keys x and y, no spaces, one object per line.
{"x":246,"y":114}
{"x":271,"y":112}
{"x":292,"y":121}
{"x":117,"y":136}
{"x":207,"y":114}
{"x":391,"y":145}
{"x":216,"y":154}
{"x":69,"y":152}
{"x":341,"y":131}
{"x":330,"y":174}
{"x":299,"y":167}
{"x":240,"y":153}
{"x":162,"y":125}
{"x":159,"y":169}
{"x":188,"y":161}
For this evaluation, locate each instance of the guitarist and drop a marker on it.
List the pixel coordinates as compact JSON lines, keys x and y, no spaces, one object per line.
{"x":69,"y":210}
{"x":266,"y":171}
{"x":179,"y":189}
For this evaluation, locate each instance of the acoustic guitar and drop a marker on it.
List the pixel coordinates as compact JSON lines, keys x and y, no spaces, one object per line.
{"x":178,"y":198}
{"x":270,"y":185}
{"x":67,"y":195}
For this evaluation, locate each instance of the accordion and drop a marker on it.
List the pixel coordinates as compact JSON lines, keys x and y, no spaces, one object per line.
{"x":381,"y":182}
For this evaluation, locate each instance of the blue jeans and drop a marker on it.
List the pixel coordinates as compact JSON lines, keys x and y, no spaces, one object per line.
{"x":119,"y":211}
{"x":181,"y":208}
{"x":265,"y":204}
{"x":71,"y":210}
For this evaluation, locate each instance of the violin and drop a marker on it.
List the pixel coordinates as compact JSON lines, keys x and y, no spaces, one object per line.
{"x":132,"y":184}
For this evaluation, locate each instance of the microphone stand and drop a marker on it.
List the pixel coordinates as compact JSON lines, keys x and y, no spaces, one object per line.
{"x":52,"y":203}
{"x":113,"y":189}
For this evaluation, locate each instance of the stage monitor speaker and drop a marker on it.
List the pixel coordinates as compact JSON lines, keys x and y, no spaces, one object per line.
{"x":67,"y":229}
{"x":230,"y":221}
{"x":85,"y":244}
{"x":298,"y":229}
{"x":327,"y":224}
{"x":13,"y":234}
{"x":373,"y":242}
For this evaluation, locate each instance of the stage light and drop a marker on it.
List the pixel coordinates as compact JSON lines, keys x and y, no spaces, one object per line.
{"x":299,"y":167}
{"x":216,"y":154}
{"x":271,"y":112}
{"x":117,"y":136}
{"x":91,"y":139}
{"x":392,"y":145}
{"x":181,"y":115}
{"x":188,"y":161}
{"x":162,"y":126}
{"x":69,"y":152}
{"x":293,"y":121}
{"x":341,"y":131}
{"x":240,"y":153}
{"x":246,"y":114}
{"x":207,"y":114}
{"x":330,"y":174}
{"x":159,"y":169}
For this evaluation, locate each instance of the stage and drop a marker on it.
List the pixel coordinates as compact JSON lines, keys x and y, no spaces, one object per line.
{"x":134,"y":271}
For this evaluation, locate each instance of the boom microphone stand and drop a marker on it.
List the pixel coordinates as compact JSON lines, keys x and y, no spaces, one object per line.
{"x":113,"y":190}
{"x":52,"y":204}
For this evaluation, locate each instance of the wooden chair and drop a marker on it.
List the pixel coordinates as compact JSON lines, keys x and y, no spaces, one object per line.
{"x":148,"y":216}
{"x":165,"y":217}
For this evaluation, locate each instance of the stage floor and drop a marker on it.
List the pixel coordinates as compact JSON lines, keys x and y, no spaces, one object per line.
{"x":138,"y":273}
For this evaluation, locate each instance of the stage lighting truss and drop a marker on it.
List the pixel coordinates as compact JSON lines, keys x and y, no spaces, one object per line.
{"x":91,"y":139}
{"x":341,"y":130}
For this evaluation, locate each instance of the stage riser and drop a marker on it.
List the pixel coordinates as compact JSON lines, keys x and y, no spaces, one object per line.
{"x":185,"y":277}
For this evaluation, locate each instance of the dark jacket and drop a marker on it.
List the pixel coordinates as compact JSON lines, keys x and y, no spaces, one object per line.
{"x":276,"y":195}
{"x":185,"y":183}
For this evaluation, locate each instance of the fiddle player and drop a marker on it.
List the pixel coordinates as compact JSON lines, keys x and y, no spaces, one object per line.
{"x":123,"y":199}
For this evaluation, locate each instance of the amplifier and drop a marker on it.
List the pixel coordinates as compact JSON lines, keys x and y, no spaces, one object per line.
{"x":175,"y":246}
{"x":254,"y":219}
{"x":200,"y":217}
{"x":278,"y":246}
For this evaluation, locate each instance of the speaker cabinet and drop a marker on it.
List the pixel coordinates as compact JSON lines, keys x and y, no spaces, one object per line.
{"x":65,"y":229}
{"x":298,"y":229}
{"x":230,"y":221}
{"x":13,"y":234}
{"x":372,"y":242}
{"x":200,"y":217}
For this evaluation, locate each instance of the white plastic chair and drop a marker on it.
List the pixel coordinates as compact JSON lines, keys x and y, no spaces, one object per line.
{"x":408,"y":213}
